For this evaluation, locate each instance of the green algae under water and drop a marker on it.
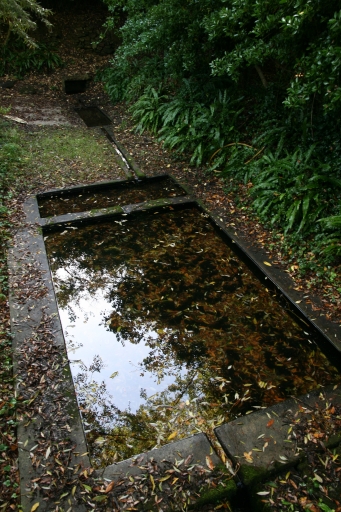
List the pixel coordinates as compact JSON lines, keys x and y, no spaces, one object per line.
{"x":106,"y":197}
{"x":168,"y":333}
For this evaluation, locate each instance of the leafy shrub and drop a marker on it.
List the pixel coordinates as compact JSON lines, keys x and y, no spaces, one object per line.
{"x":18,"y":59}
{"x":332,"y":242}
{"x":147,"y":111}
{"x":293,"y":190}
{"x":225,"y":80}
{"x":187,"y":124}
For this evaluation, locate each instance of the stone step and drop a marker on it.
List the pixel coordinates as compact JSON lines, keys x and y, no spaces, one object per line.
{"x":262,"y":443}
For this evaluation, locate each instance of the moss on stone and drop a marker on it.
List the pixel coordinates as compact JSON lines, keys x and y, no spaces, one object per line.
{"x":333,"y":441}
{"x":251,"y":475}
{"x":225,"y":491}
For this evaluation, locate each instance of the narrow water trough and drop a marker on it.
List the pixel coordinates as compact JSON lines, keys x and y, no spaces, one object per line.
{"x":106,"y":195}
{"x":93,"y":116}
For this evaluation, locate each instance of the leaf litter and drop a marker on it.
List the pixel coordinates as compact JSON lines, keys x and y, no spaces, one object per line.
{"x":313,"y":484}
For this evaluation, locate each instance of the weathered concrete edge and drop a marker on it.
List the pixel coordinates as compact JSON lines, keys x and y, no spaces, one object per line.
{"x":81,"y":216}
{"x":270,"y":425}
{"x":103,"y":185}
{"x":327,"y":331}
{"x":108,"y":131}
{"x":106,"y":213}
{"x":198,"y":447}
{"x":24,"y":322}
{"x":75,"y":189}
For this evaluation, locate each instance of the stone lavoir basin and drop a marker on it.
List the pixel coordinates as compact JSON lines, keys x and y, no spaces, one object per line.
{"x":168,"y":332}
{"x":80,"y":199}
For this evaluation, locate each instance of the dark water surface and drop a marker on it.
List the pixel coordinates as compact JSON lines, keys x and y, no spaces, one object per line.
{"x":114,"y":195}
{"x":169,"y":333}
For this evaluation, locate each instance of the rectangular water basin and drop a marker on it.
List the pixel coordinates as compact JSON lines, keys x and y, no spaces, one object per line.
{"x":168,"y":333}
{"x":104,"y":196}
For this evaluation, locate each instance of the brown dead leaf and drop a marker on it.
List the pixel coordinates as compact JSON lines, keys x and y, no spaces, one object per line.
{"x":110,"y":487}
{"x":209,"y":462}
{"x":248,"y":456}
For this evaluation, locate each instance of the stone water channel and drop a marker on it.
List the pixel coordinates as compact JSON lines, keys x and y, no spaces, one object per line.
{"x":168,"y":333}
{"x":170,"y":328}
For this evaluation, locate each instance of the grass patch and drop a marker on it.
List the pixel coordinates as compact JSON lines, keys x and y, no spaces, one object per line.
{"x":55,"y":157}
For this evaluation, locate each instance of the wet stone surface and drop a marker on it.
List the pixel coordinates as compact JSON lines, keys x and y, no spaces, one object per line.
{"x":132,"y":193}
{"x":168,"y":333}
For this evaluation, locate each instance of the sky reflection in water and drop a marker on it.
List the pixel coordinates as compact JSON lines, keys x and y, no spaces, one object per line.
{"x":88,"y":336}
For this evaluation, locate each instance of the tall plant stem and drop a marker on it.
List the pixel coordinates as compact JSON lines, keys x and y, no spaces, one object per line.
{"x":261,"y":75}
{"x":7,"y":35}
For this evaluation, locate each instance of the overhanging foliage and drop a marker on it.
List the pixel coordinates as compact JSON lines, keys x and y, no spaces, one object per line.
{"x":18,"y":16}
{"x":207,"y":76}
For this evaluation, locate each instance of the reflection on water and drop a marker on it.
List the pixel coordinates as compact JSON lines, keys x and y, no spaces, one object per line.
{"x":168,"y":333}
{"x":129,"y":380}
{"x":114,"y":195}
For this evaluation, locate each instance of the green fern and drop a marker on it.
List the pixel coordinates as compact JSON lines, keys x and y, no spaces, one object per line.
{"x":290,"y":190}
{"x":19,"y":59}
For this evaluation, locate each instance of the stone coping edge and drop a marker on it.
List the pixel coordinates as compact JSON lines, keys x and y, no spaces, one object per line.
{"x":261,"y":443}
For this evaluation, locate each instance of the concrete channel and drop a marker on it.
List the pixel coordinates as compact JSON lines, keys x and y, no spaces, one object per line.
{"x":56,"y":409}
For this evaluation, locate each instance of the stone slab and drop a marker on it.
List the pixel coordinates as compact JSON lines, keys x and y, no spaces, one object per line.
{"x":27,"y":254}
{"x":262,"y":441}
{"x":67,"y":218}
{"x":159,"y":203}
{"x":76,"y":189}
{"x":198,"y":446}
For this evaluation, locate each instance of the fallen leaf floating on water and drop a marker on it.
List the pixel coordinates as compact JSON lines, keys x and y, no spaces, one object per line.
{"x":270,"y":423}
{"x":35,"y":506}
{"x":267,"y":263}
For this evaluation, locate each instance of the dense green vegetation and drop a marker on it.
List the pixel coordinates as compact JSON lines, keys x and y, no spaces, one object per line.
{"x":16,"y":58}
{"x":251,"y":89}
{"x":19,"y":17}
{"x":19,"y":52}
